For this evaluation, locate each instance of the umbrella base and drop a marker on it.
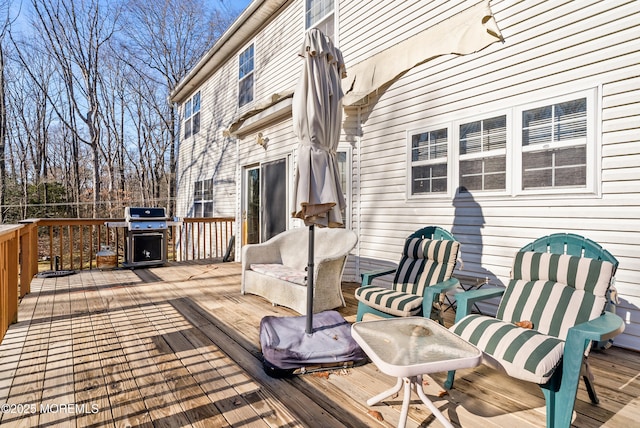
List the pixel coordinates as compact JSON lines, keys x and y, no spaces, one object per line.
{"x":288,"y":350}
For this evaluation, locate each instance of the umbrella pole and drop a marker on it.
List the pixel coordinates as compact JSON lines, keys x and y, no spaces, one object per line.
{"x":310,"y":271}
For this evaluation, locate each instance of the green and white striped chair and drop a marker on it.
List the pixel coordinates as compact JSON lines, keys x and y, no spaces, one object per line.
{"x":423,"y":274}
{"x":564,"y":296}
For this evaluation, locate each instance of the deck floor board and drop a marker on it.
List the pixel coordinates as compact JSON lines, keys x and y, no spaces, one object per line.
{"x":179,"y":346}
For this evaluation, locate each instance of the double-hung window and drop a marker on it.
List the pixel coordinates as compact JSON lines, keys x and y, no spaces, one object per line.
{"x":203,"y":198}
{"x":429,"y":161}
{"x":320,"y":14}
{"x":191,"y":116}
{"x":483,"y":154}
{"x":245,"y":76}
{"x":554,"y":145}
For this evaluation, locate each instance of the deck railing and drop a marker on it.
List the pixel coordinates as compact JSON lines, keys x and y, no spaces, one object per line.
{"x":72,"y":244}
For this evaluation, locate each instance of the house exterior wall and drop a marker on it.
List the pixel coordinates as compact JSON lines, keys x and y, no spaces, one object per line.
{"x":550,"y":49}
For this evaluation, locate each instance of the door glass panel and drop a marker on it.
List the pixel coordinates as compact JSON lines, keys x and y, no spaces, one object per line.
{"x":252,"y":208}
{"x":274,"y":198}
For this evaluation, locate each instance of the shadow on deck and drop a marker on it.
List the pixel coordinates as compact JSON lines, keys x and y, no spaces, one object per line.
{"x":179,"y":346}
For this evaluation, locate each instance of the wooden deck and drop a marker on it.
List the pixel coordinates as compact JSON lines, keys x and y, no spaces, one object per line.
{"x":178,"y":346}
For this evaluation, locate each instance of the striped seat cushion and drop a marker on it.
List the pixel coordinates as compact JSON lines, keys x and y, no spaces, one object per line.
{"x":396,"y":303}
{"x":424,"y":262}
{"x":521,"y":353}
{"x":554,"y":292}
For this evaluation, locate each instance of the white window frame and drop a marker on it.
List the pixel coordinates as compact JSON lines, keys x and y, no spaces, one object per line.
{"x":204,"y":198}
{"x":457,"y":157}
{"x":435,"y":161}
{"x":591,"y":144}
{"x":328,"y":19}
{"x":249,"y":75}
{"x":191,"y":115}
{"x":514,"y":152}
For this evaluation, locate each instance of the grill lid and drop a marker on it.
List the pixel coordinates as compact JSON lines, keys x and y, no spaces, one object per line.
{"x":141,"y":213}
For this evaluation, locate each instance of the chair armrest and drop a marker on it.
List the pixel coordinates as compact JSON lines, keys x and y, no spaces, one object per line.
{"x":368,"y":277}
{"x":260,"y":253}
{"x":467,"y":299}
{"x":444,"y":286}
{"x":580,"y":336}
{"x":605,"y":327}
{"x":432,"y":292}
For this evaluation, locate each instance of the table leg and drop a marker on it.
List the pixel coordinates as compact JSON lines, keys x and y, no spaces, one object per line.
{"x":402,"y":422}
{"x":436,"y":412}
{"x":409,"y":384}
{"x":389,"y":392}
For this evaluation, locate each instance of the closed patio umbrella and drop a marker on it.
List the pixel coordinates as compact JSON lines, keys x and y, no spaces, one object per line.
{"x":317,"y":120}
{"x":318,"y":200}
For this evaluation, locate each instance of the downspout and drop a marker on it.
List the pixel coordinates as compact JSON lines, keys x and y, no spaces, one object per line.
{"x":359,"y":188}
{"x":239,"y":197}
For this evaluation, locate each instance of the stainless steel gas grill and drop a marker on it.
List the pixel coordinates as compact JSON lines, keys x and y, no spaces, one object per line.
{"x":146,"y":236}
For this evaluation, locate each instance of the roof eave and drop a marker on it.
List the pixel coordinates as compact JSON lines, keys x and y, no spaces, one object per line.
{"x":254,"y":17}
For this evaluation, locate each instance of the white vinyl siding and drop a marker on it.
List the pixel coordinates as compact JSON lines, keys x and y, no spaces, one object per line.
{"x":583,"y":52}
{"x":553,"y":52}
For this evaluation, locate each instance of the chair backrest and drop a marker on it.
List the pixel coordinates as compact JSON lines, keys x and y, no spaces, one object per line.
{"x":432,"y":232}
{"x":572,"y":244}
{"x":293,"y":245}
{"x":428,"y":257}
{"x":555,"y":291}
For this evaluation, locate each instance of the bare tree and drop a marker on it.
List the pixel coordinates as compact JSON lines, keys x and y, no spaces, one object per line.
{"x":4,"y":27}
{"x":89,"y":112}
{"x":75,"y":33}
{"x":167,"y":38}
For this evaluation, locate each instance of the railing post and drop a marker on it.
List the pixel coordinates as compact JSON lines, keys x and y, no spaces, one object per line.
{"x":28,"y":254}
{"x":9,"y":270}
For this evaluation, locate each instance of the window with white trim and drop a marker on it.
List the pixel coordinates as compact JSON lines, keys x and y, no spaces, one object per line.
{"x":539,"y":148}
{"x":554,"y":145}
{"x":429,"y":161}
{"x":203,"y":198}
{"x":245,"y":76}
{"x":483,"y":154}
{"x":191,"y":116}
{"x":320,"y":14}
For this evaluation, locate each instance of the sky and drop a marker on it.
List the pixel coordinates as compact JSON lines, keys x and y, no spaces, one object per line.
{"x":237,"y":5}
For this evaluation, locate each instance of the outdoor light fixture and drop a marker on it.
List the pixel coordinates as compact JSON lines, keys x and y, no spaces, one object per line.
{"x":261,"y":140}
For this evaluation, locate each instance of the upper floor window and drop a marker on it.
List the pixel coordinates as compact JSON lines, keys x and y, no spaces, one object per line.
{"x":245,"y":77}
{"x":203,"y":198}
{"x":191,"y":115}
{"x":320,"y":14}
{"x":543,"y":147}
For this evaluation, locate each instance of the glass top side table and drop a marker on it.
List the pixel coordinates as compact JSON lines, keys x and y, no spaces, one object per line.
{"x":409,"y":347}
